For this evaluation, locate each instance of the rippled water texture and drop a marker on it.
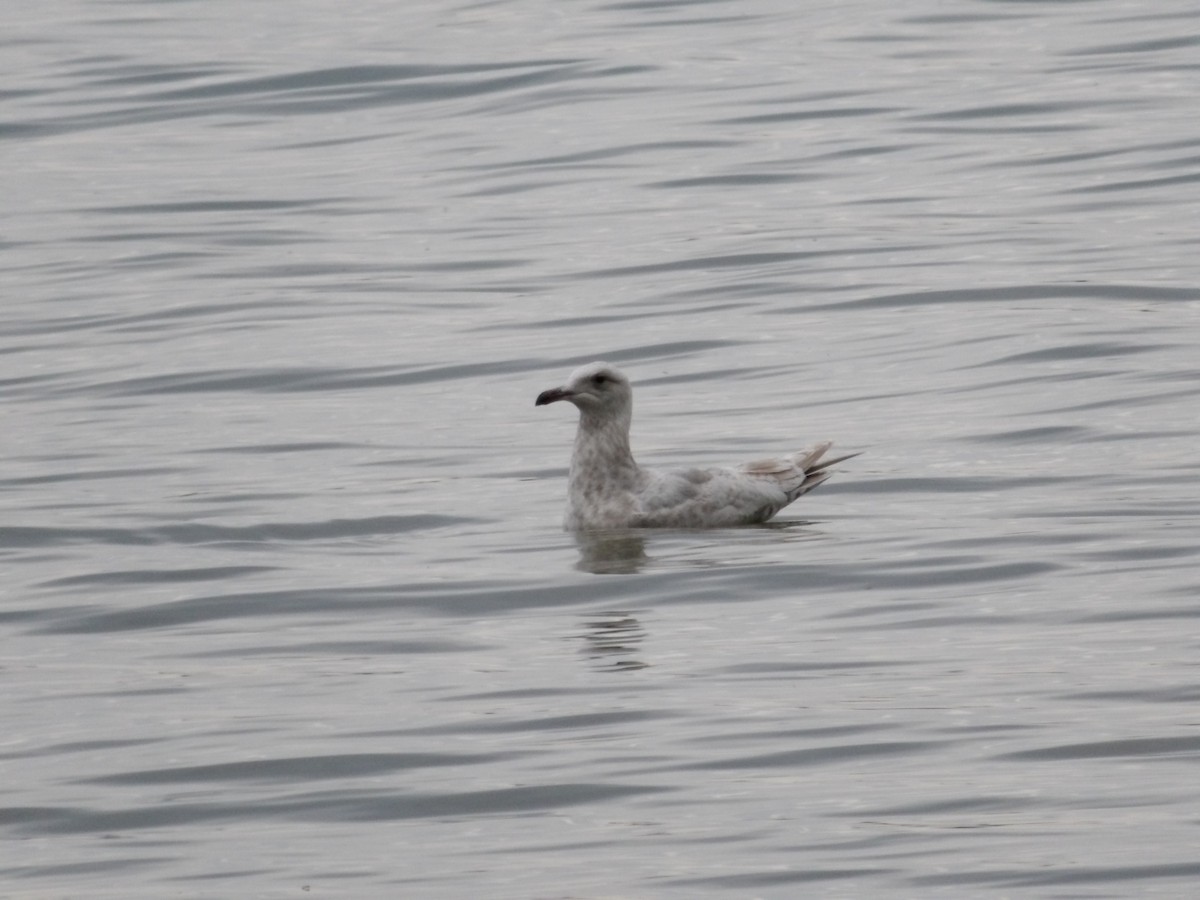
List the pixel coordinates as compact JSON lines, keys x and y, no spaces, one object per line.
{"x":286,"y":609}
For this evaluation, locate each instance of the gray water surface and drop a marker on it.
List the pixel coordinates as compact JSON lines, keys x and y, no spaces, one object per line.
{"x":287,"y":610}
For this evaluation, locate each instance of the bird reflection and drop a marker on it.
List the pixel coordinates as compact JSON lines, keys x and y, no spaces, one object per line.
{"x":612,"y":552}
{"x":612,"y":638}
{"x":622,"y":551}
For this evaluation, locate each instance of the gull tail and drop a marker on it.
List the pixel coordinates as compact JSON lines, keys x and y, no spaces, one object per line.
{"x":815,"y":467}
{"x":799,"y":473}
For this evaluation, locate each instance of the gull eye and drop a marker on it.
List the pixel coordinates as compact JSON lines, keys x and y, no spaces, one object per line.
{"x":599,"y":380}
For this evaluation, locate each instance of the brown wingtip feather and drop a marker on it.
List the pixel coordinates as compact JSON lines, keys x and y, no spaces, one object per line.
{"x":826,"y":463}
{"x":815,"y":469}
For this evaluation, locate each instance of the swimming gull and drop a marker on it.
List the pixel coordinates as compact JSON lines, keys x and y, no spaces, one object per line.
{"x":608,"y":489}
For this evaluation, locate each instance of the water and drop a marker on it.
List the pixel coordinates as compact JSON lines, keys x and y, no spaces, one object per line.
{"x":286,"y":608}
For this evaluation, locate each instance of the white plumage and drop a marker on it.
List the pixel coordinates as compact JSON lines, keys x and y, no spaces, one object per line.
{"x":608,"y":489}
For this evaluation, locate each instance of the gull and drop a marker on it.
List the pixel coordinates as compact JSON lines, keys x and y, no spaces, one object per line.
{"x":606,"y":488}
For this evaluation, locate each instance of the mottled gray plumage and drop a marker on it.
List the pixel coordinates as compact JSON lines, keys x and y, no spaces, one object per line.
{"x":608,"y":489}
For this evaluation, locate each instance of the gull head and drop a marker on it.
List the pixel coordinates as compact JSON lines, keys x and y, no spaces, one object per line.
{"x":598,"y":389}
